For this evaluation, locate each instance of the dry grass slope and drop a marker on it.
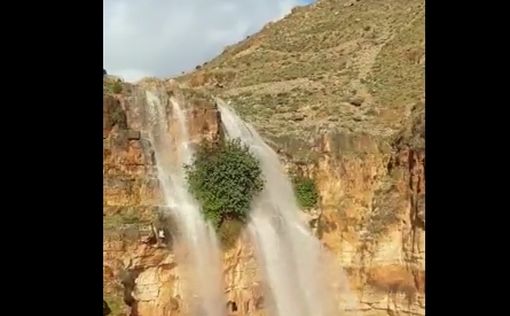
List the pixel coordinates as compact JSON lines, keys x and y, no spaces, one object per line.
{"x":343,"y":66}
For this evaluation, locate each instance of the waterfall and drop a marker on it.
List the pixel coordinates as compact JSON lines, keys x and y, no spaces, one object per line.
{"x":200,"y":262}
{"x":297,"y":271}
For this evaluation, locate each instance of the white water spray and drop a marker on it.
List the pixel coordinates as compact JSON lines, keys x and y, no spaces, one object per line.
{"x":201,"y":263}
{"x":294,"y":263}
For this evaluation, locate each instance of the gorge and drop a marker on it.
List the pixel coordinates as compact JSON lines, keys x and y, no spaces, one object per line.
{"x":346,"y":110}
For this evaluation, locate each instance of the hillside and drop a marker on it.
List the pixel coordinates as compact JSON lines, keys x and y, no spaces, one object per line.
{"x":340,"y":66}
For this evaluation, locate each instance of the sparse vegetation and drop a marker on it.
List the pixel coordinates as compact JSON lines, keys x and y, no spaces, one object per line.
{"x":117,"y":87}
{"x":126,"y":216}
{"x":115,"y":305}
{"x":112,"y":85}
{"x":118,"y":220}
{"x":316,"y":56}
{"x":224,"y":178}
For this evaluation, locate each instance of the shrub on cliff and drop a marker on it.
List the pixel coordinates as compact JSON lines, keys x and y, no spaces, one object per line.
{"x":117,"y":87}
{"x":306,"y":192}
{"x":112,"y":86}
{"x":224,"y":178}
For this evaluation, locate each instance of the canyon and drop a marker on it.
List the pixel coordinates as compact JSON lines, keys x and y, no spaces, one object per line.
{"x":346,"y":110}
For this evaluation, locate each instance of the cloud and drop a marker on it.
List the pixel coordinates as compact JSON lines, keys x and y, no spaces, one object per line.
{"x":164,"y":37}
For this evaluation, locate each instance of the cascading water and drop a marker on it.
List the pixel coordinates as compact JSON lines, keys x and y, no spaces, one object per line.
{"x":201,"y":262}
{"x":294,"y":263}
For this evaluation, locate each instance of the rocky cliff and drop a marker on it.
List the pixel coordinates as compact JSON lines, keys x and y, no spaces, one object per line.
{"x":337,"y":89}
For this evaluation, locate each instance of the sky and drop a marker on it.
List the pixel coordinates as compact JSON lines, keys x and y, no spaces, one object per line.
{"x":162,"y":38}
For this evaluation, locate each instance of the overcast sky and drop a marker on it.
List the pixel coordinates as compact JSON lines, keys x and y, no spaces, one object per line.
{"x":164,"y":37}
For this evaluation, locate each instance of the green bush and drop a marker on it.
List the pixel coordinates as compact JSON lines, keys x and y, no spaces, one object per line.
{"x":115,"y":304}
{"x":117,"y":87}
{"x":224,"y":178}
{"x":306,"y":192}
{"x":112,"y":86}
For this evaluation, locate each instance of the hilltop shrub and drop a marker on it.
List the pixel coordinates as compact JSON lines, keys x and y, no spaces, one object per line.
{"x":117,"y":87}
{"x":306,"y":192}
{"x":112,"y":86}
{"x":224,"y":178}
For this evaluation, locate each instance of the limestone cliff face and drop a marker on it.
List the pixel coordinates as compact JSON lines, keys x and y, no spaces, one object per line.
{"x":373,"y":221}
{"x":371,"y":215}
{"x":141,"y":276}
